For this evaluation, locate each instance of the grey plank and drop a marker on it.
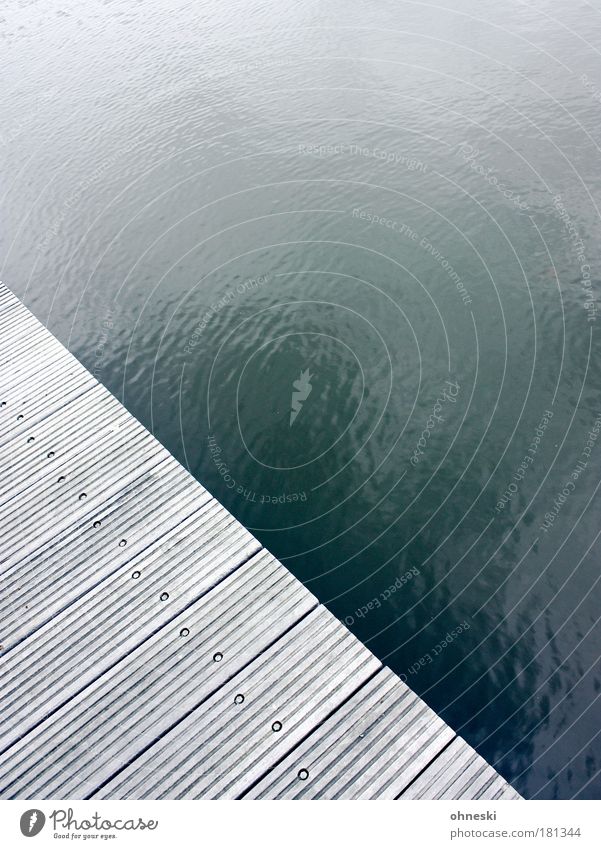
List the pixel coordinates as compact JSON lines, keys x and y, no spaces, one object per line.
{"x":37,"y":374}
{"x":42,"y":580}
{"x":99,"y":472}
{"x":6,"y":296}
{"x":86,"y":639}
{"x":15,"y":316}
{"x":35,"y":388}
{"x":460,"y":773}
{"x":222,"y":748}
{"x":27,"y":378}
{"x":85,"y":742}
{"x":20,"y":332}
{"x":88,"y":421}
{"x":371,"y":748}
{"x":25,"y":373}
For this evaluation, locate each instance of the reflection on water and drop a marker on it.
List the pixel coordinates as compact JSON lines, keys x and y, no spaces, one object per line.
{"x":343,"y":260}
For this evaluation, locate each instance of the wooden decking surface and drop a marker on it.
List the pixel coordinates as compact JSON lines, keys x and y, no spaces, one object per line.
{"x":151,"y":648}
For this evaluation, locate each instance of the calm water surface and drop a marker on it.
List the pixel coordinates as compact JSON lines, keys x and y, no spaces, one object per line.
{"x":344,"y":260}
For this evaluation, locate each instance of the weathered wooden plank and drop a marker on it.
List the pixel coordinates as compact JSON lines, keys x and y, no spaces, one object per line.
{"x":50,"y":447}
{"x":44,"y":568}
{"x":224,"y":746}
{"x":87,"y":638}
{"x":16,"y":322}
{"x":32,"y":389}
{"x":98,"y":474}
{"x":21,"y":334}
{"x":99,"y":731}
{"x":460,"y":773}
{"x":371,"y":748}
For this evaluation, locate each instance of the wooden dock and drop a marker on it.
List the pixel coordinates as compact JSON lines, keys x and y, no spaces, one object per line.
{"x":151,"y":648}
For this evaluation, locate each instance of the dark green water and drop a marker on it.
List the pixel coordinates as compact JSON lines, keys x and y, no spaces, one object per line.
{"x":383,"y":217}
